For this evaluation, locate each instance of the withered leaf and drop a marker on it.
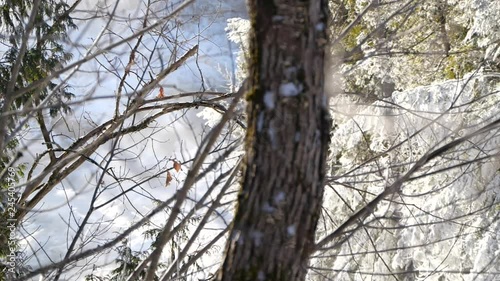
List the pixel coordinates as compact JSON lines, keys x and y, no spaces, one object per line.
{"x":169,"y":178}
{"x":177,"y":166}
{"x":161,"y":94}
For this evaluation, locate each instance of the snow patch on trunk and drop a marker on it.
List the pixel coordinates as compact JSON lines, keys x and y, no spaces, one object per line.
{"x":290,"y":89}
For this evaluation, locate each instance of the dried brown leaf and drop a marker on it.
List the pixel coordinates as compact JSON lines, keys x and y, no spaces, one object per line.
{"x":161,"y":94}
{"x":177,"y":166}
{"x":169,"y":178}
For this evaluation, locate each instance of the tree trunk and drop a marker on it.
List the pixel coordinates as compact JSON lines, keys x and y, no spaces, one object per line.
{"x":286,"y":143}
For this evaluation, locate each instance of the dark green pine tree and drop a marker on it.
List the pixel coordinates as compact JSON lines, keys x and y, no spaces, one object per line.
{"x":45,"y":52}
{"x":22,"y":67}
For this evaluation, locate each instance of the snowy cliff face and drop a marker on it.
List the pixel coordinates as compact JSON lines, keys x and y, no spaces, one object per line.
{"x":443,"y":224}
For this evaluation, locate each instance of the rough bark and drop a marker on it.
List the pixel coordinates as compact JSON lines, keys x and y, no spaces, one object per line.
{"x":286,"y":143}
